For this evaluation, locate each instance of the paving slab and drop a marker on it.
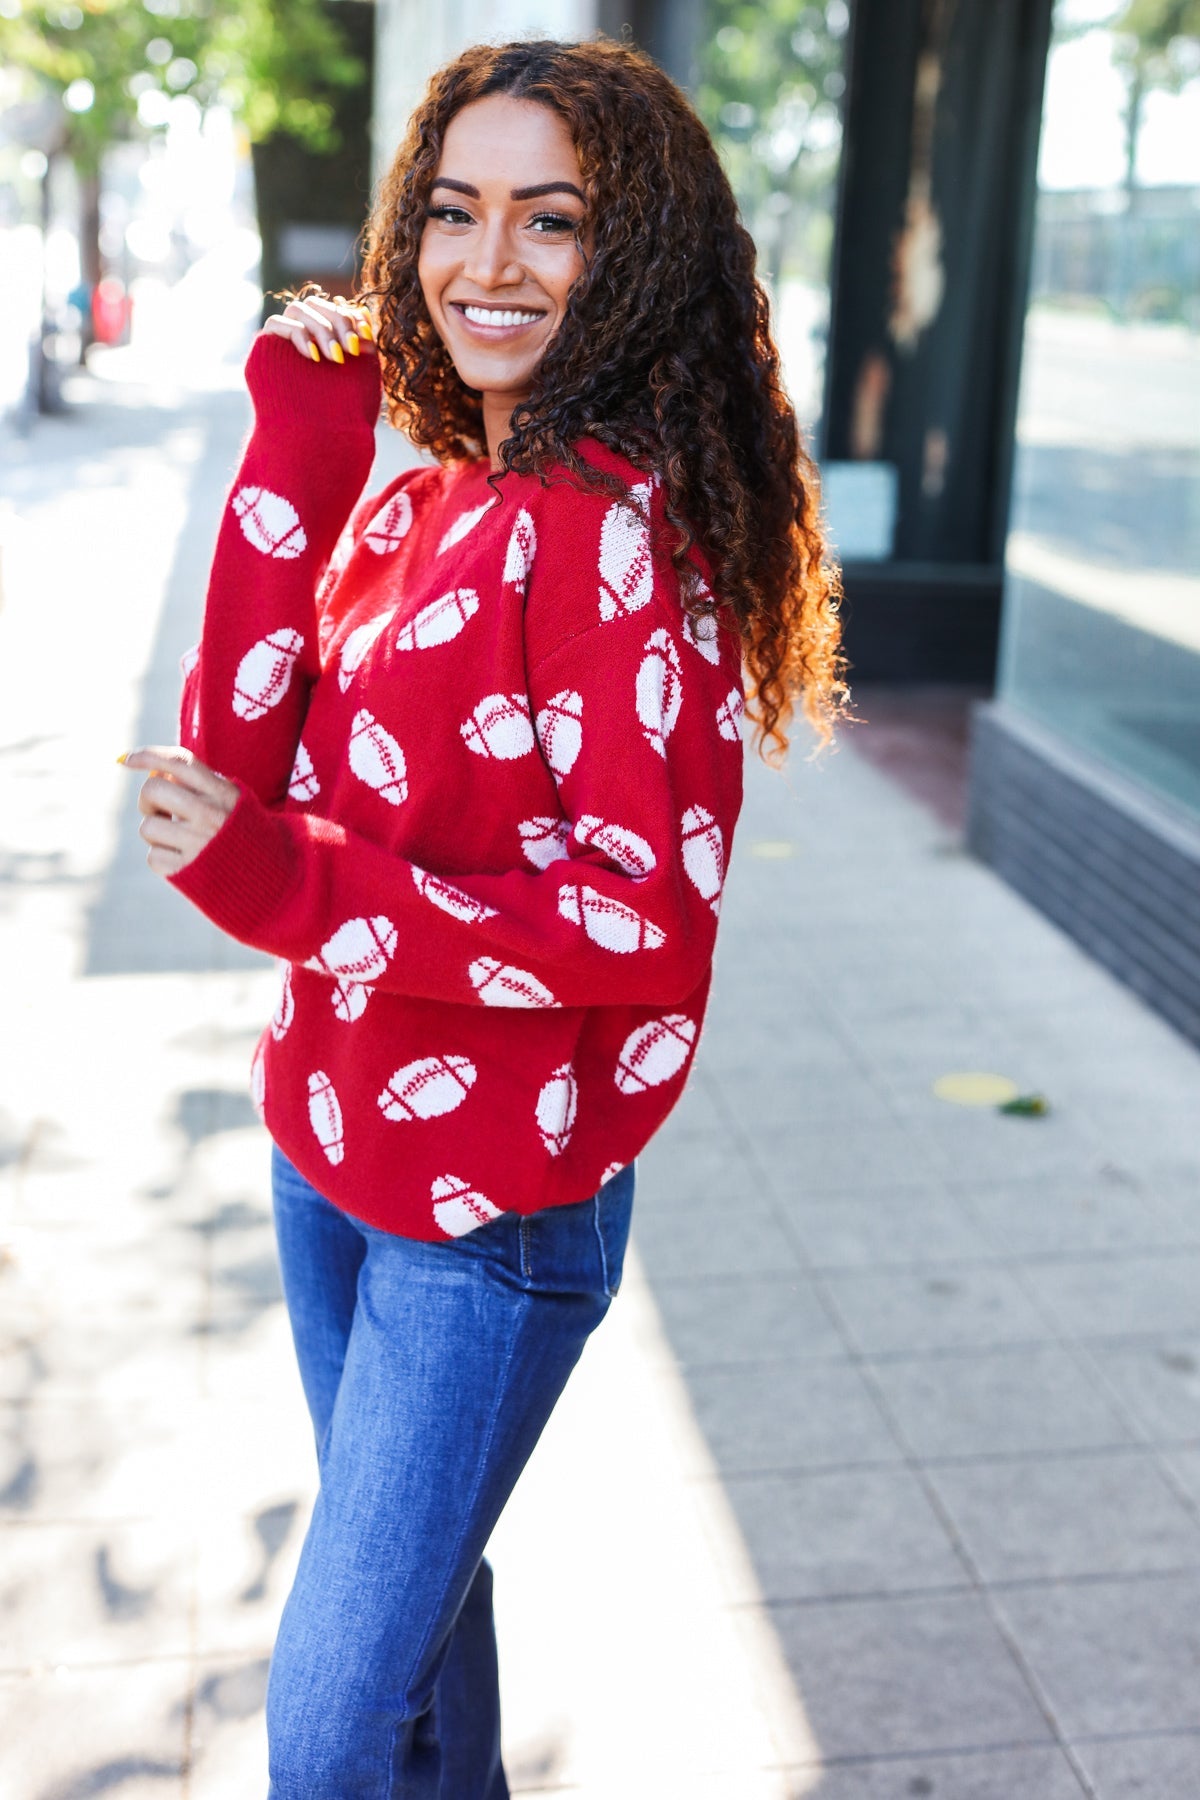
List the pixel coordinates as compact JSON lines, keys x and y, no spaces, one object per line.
{"x":1156,"y":1384}
{"x":959,"y":1306}
{"x":807,"y":1415}
{"x":1110,"y":1514}
{"x":1019,"y":1774}
{"x":858,"y":1532}
{"x":747,"y":1319}
{"x":1112,"y":1655}
{"x":1010,"y":1403}
{"x":1161,"y":1767}
{"x":906,"y":1675}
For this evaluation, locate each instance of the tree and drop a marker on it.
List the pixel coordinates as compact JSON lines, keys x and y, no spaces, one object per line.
{"x":1157,"y":46}
{"x":115,"y":63}
{"x":771,"y":82}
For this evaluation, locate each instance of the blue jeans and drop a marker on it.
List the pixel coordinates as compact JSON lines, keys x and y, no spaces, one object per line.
{"x":430,"y":1371}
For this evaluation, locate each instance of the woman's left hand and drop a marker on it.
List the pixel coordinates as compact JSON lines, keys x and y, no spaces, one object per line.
{"x":183,"y":804}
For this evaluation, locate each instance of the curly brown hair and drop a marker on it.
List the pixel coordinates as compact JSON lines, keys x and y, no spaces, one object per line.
{"x":664,"y":354}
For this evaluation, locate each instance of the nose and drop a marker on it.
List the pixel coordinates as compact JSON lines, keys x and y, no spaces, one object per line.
{"x":494,"y":262}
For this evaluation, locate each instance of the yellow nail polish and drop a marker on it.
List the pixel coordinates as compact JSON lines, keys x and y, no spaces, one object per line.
{"x":335,"y":352}
{"x":314,"y":353}
{"x":124,"y":754}
{"x":352,"y":343}
{"x":365,"y":331}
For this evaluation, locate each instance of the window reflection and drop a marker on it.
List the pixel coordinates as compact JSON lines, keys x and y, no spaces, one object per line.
{"x":1102,"y":614}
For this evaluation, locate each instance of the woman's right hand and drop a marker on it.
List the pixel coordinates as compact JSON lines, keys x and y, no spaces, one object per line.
{"x":321,"y":328}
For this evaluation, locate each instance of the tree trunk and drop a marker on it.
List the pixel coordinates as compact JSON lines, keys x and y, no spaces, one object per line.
{"x":90,"y":264}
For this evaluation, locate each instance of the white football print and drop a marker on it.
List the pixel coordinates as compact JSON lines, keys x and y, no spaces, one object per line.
{"x":350,"y":998}
{"x":626,"y":571}
{"x":303,"y":783}
{"x":357,"y":643}
{"x":659,"y":690}
{"x":522,"y":548}
{"x":729,"y":715}
{"x":608,"y":923}
{"x":629,"y":851}
{"x":427,"y":1088}
{"x":440,"y":621}
{"x":265,"y":673}
{"x":704,"y":853}
{"x":359,"y":949}
{"x":544,"y":840}
{"x":270,"y":523}
{"x":560,"y":731}
{"x":701,"y":633}
{"x":612,"y":1169}
{"x":390,"y":525}
{"x":189,"y":660}
{"x":451,"y":899}
{"x":465,"y":522}
{"x":555,"y":1109}
{"x":654,"y":1053}
{"x":499,"y":984}
{"x":458,"y":1208}
{"x":377,"y":759}
{"x":343,"y":550}
{"x":325,"y":1115}
{"x":500,"y":726}
{"x":286,"y":1010}
{"x":258,"y":1080}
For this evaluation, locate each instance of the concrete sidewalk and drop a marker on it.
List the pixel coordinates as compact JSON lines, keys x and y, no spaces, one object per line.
{"x":883,"y":1477}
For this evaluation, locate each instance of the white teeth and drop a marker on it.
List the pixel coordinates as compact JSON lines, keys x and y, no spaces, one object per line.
{"x":490,"y":315}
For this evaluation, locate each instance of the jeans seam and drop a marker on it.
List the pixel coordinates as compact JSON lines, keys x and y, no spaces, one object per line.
{"x":604,"y":1275}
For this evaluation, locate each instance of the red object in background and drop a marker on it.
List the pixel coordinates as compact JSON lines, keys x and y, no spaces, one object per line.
{"x":112,"y":310}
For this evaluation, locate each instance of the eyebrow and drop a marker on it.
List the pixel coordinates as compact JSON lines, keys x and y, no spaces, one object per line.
{"x":525,"y":193}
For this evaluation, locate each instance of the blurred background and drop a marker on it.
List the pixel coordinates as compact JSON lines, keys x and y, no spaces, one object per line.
{"x":888,"y":1461}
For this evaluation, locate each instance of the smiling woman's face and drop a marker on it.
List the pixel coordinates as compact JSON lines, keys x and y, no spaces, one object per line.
{"x":499,"y":254}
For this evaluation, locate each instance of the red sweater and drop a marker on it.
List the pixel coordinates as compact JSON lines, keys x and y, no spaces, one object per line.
{"x":489,"y":779}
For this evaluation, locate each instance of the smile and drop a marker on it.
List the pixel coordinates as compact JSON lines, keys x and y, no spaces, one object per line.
{"x":496,"y":318}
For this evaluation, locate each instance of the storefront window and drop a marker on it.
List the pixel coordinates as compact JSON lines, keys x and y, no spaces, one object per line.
{"x":1102,"y":611}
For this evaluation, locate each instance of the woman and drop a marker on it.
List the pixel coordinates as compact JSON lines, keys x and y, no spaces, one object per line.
{"x":480,"y":764}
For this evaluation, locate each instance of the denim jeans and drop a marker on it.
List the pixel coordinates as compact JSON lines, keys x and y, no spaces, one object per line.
{"x":429,"y":1371}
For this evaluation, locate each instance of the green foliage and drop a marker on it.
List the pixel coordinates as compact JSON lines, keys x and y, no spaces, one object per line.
{"x":771,"y":81}
{"x":275,"y":63}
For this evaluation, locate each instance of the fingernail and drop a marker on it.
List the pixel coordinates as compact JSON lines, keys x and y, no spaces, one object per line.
{"x":314,"y":353}
{"x":124,"y":756}
{"x":335,"y":352}
{"x":365,"y":330}
{"x":352,"y":343}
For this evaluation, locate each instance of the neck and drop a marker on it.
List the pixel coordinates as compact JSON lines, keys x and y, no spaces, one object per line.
{"x":497,"y":422}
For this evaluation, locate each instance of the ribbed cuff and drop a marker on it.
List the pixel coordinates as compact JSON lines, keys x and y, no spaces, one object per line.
{"x":290,"y":389}
{"x":243,"y":877}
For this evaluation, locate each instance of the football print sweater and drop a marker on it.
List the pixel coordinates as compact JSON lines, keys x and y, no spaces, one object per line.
{"x":489,"y":775}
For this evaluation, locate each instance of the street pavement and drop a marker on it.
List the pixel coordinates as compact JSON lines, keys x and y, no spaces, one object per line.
{"x":883,"y":1477}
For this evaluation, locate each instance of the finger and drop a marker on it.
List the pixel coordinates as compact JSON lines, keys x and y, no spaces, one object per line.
{"x":164,"y":862}
{"x":294,"y":330}
{"x":182,"y":767}
{"x":162,"y":833}
{"x":347,"y":322}
{"x":315,"y":316}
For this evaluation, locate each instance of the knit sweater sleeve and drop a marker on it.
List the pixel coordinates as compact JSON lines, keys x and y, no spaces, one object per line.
{"x":640,"y":731}
{"x":246,"y":685}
